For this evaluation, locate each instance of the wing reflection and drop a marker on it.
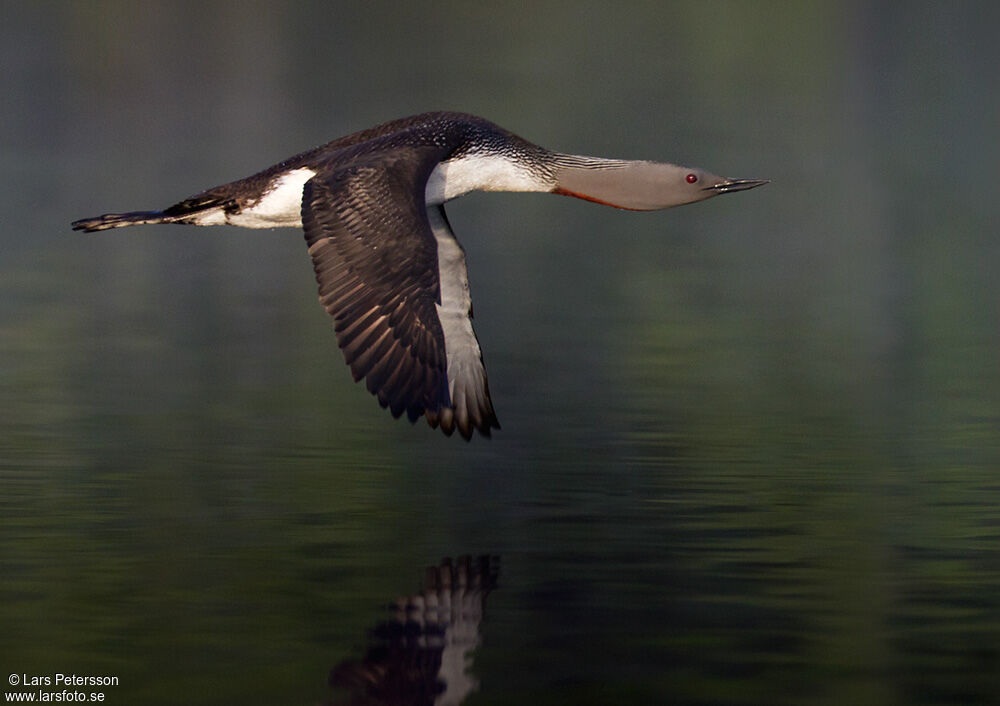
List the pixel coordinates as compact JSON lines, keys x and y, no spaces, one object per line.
{"x":422,"y":654}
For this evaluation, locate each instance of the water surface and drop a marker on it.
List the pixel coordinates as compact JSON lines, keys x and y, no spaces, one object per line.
{"x":749,"y":449}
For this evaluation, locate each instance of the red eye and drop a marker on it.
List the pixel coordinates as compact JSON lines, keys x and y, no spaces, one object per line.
{"x":691,"y":178}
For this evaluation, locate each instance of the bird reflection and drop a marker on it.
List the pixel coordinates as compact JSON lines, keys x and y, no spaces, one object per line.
{"x":421,"y":655}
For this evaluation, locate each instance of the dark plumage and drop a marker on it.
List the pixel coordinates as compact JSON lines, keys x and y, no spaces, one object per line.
{"x":390,"y":270}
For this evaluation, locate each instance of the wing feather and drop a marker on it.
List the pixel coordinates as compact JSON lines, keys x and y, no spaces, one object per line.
{"x":375,"y":250}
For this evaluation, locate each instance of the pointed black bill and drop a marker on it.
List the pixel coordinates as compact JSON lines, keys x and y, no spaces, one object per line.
{"x":730,"y":185}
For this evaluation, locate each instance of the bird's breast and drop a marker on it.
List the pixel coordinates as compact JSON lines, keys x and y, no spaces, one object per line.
{"x":480,"y":172}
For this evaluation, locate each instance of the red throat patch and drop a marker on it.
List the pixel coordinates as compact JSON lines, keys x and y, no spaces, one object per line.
{"x":566,"y":192}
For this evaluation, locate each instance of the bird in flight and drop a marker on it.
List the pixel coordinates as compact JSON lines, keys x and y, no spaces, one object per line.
{"x":390,"y":271}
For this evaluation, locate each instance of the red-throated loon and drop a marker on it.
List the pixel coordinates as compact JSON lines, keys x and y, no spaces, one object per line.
{"x":390,"y":270}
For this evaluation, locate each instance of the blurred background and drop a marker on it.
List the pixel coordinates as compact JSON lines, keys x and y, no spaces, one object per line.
{"x":750,"y":447}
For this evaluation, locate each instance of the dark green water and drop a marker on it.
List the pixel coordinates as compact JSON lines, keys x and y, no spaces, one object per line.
{"x":750,"y":449}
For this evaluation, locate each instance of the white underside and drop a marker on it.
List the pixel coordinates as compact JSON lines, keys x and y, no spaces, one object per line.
{"x":474,"y":172}
{"x":280,"y":206}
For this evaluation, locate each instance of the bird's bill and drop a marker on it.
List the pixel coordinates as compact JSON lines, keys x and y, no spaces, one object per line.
{"x":729,"y":185}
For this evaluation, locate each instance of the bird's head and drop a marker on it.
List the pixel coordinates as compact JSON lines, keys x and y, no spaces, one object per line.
{"x":641,"y":186}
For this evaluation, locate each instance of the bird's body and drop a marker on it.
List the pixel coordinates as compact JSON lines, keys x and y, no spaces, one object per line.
{"x":389,"y":268}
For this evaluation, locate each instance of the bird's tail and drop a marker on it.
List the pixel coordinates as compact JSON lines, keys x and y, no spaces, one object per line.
{"x":118,"y":220}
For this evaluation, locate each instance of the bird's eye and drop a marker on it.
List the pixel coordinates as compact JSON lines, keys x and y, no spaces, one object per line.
{"x":691,"y":178}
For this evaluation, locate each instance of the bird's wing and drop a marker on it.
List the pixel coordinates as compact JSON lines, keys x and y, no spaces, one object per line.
{"x":375,"y":250}
{"x":467,"y":383}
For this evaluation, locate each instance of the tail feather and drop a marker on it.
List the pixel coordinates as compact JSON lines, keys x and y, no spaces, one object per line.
{"x":118,"y":220}
{"x":202,"y":209}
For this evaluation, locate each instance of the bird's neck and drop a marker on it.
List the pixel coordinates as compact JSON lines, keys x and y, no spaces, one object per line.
{"x":635,"y":185}
{"x":485,"y":172}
